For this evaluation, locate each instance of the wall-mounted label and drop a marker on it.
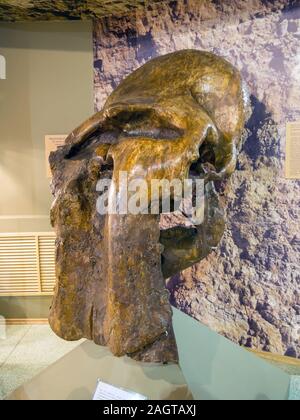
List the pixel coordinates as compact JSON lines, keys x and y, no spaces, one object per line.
{"x":2,"y":67}
{"x":52,"y":143}
{"x":293,"y":150}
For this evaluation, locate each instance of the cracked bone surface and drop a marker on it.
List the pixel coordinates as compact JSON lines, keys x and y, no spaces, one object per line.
{"x":179,"y":116}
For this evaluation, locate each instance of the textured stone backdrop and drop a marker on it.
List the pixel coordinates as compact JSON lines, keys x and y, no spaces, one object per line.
{"x":28,"y":10}
{"x":249,"y":289}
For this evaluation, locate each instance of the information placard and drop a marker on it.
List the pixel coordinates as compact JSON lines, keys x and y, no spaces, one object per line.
{"x":293,"y":150}
{"x":109,"y":392}
{"x":52,"y":143}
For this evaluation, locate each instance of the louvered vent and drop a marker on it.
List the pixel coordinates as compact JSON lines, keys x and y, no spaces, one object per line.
{"x":47,"y":262}
{"x":27,"y":264}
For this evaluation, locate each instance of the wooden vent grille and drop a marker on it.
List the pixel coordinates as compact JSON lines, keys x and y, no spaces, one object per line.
{"x":27,"y":264}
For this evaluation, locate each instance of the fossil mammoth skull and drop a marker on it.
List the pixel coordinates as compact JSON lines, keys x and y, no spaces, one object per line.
{"x":179,"y":115}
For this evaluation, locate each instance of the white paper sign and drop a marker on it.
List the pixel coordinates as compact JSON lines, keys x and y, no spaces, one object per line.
{"x":109,"y":393}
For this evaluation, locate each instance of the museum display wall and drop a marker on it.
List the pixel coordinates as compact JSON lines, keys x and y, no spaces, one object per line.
{"x":48,"y":88}
{"x":248,"y":288}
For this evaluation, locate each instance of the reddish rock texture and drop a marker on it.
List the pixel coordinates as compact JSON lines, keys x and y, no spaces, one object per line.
{"x":248,"y":289}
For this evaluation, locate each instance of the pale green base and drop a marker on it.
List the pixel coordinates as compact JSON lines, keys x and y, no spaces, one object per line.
{"x":217,"y":369}
{"x":295,"y":389}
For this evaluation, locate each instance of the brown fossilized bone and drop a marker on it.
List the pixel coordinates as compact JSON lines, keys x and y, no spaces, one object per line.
{"x":179,"y":115}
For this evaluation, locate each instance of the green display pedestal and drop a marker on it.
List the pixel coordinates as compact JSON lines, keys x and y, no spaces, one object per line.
{"x":217,"y":369}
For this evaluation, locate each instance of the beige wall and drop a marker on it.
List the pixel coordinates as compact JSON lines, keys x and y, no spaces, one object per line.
{"x":48,"y":90}
{"x":32,"y":307}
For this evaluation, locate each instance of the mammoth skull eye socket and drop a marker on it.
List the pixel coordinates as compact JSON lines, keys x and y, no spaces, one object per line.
{"x":207,"y":158}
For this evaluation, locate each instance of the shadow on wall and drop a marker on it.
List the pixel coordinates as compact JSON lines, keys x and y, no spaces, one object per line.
{"x":253,"y":146}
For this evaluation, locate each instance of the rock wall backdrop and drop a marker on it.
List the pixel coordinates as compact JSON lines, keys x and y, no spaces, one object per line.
{"x":249,"y":289}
